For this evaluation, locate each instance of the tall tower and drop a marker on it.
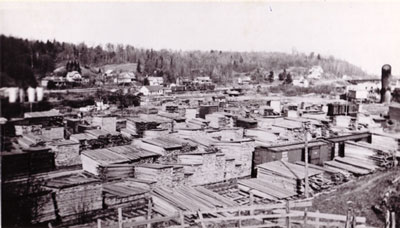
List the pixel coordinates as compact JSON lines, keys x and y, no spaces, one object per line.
{"x":386,"y":73}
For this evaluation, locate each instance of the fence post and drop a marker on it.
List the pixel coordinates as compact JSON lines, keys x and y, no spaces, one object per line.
{"x":119,"y":217}
{"x":149,"y":211}
{"x":182,"y":218}
{"x":347,"y":225}
{"x":239,"y":221}
{"x":201,"y":219}
{"x":387,"y":219}
{"x":251,"y":202}
{"x":393,"y":219}
{"x":98,"y":223}
{"x":305,"y":217}
{"x":288,"y":225}
{"x":317,"y":219}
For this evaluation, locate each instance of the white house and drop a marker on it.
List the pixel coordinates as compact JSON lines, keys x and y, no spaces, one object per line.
{"x":73,"y":76}
{"x":125,"y":77}
{"x":151,"y":90}
{"x":244,"y":80}
{"x":202,"y":80}
{"x":155,"y":81}
{"x":315,"y":72}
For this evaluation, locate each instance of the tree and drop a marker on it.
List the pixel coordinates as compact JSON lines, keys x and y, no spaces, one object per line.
{"x":282,"y":75}
{"x":138,"y":67}
{"x":271,"y":77}
{"x":146,"y":81}
{"x":288,"y":79}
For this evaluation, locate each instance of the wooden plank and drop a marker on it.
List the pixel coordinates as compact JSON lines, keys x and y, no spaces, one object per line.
{"x":153,"y":220}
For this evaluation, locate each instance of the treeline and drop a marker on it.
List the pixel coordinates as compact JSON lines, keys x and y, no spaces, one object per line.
{"x":23,"y":61}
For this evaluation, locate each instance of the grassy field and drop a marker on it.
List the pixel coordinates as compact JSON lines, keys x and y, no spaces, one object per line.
{"x":364,"y":192}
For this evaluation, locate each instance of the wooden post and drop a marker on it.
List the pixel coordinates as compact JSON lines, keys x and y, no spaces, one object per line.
{"x":251,"y":202}
{"x":306,"y":128}
{"x":305,"y":217}
{"x":347,"y":225}
{"x":239,"y":221}
{"x":49,"y":225}
{"x":393,"y":220}
{"x":201,"y":218}
{"x":387,"y":219}
{"x":288,"y":225}
{"x":98,"y":223}
{"x":119,"y":217}
{"x":182,"y":218}
{"x":149,"y":211}
{"x":317,"y":219}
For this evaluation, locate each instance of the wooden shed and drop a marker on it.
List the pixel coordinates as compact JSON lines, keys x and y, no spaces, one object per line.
{"x":339,"y":141}
{"x":319,"y":151}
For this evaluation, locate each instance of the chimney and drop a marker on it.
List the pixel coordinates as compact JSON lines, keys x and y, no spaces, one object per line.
{"x":386,"y":73}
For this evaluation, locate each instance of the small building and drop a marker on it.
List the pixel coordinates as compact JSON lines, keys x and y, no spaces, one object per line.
{"x":318,"y":152}
{"x":155,"y":81}
{"x":202,"y":80}
{"x":357,"y":95}
{"x":394,"y":112}
{"x":151,"y":90}
{"x":338,"y":142}
{"x":125,"y":78}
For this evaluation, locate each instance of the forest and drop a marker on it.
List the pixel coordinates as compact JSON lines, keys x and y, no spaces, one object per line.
{"x":24,"y":62}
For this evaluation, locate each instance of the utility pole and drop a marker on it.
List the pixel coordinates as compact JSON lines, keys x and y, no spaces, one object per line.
{"x":306,"y":128}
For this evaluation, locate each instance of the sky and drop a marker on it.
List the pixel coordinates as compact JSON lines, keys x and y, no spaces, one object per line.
{"x":366,"y":34}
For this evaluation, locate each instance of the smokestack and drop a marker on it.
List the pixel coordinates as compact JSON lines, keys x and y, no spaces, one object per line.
{"x":386,"y":72}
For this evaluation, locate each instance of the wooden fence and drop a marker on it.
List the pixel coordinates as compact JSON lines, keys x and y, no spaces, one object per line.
{"x":270,"y":215}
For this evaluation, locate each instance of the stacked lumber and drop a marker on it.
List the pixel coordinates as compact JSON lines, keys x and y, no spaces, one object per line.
{"x":217,"y":120}
{"x":331,"y":175}
{"x":357,"y":163}
{"x":75,"y":195}
{"x":126,"y":193}
{"x":45,"y":209}
{"x":286,"y":175}
{"x":31,"y":160}
{"x":167,"y":200}
{"x":350,"y":168}
{"x":201,"y":123}
{"x":116,"y":171}
{"x":371,"y":154}
{"x":163,"y":175}
{"x":265,"y":190}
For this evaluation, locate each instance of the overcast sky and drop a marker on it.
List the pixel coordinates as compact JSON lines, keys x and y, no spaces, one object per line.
{"x":366,"y":34}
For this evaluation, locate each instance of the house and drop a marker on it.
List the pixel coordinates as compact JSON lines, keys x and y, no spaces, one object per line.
{"x":73,"y":76}
{"x":202,"y":80}
{"x":151,"y":90}
{"x":315,"y":72}
{"x":357,"y":95}
{"x":155,"y":81}
{"x":244,"y":80}
{"x":125,"y":78}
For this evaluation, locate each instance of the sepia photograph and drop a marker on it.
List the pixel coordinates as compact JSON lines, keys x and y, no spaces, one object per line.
{"x":204,"y":114}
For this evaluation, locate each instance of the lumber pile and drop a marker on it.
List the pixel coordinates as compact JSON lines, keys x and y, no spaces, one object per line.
{"x":115,"y":162}
{"x":265,"y":190}
{"x":370,"y":154}
{"x":167,"y":200}
{"x":331,"y":175}
{"x":287,"y":175}
{"x":31,"y":160}
{"x":75,"y":195}
{"x":116,"y":171}
{"x":163,"y":175}
{"x":347,"y":167}
{"x":127,"y":193}
{"x":217,"y":120}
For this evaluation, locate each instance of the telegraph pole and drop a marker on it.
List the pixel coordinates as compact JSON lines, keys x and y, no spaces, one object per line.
{"x":306,"y":128}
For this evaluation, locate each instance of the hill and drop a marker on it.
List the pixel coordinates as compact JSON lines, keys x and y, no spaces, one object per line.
{"x":25,"y":61}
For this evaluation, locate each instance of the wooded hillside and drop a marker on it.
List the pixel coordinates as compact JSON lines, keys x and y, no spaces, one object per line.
{"x":24,"y":61}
